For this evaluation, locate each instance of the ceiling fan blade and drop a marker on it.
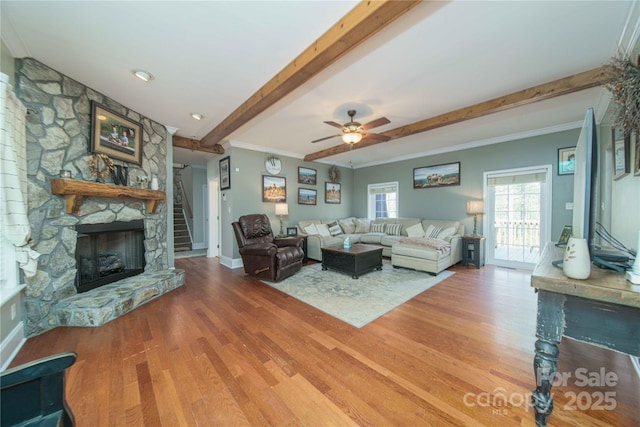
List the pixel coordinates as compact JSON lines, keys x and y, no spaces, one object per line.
{"x":322,"y":139}
{"x":375,"y":123}
{"x":375,"y":136}
{"x":334,"y":124}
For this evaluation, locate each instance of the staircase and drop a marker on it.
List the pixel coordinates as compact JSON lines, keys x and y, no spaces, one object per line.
{"x":181,"y":239}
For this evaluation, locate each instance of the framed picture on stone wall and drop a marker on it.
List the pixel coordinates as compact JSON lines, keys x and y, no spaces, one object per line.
{"x":115,"y":135}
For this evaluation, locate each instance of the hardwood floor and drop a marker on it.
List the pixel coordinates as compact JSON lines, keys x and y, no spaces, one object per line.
{"x":228,"y":350}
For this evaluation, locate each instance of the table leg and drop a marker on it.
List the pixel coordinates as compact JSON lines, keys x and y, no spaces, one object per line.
{"x":545,"y":365}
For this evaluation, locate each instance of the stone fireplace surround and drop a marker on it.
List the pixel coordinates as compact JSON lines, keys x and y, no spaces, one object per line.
{"x":58,"y":127}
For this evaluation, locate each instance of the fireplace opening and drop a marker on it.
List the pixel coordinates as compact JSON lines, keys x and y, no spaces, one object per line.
{"x":106,"y":253}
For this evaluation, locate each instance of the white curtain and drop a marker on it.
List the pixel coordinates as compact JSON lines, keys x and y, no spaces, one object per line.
{"x":14,"y":222}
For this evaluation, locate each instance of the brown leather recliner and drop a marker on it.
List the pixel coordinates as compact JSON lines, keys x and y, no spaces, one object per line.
{"x":263,"y":255}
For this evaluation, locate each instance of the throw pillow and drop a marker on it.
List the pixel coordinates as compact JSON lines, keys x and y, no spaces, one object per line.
{"x":323,"y":230}
{"x":377,"y":228}
{"x":447,"y":232}
{"x":432,"y":231}
{"x":311,"y":229}
{"x":334,"y":228}
{"x":362,"y":225}
{"x":415,"y":230}
{"x":393,"y":229}
{"x":347,"y":226}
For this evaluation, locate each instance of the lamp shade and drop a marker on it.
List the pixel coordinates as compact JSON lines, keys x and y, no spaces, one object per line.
{"x":475,"y":207}
{"x":282,"y":209}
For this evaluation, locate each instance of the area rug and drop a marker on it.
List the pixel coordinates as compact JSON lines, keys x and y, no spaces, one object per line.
{"x":357,"y":301}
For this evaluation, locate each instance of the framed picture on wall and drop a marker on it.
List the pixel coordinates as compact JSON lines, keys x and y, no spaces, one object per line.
{"x":307,"y":176}
{"x":332,"y":193}
{"x":445,"y":175}
{"x":621,"y":153}
{"x":274,"y":189}
{"x":115,"y":135}
{"x":566,"y":161}
{"x":225,"y":173}
{"x":307,"y":196}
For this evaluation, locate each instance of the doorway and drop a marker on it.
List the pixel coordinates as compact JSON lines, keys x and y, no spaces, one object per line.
{"x":518,"y":220}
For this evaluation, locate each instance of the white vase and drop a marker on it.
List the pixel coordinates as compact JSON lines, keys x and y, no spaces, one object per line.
{"x":577,"y":262}
{"x":154,"y":183}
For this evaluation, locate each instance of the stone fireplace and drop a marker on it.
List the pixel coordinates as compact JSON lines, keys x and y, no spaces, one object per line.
{"x":106,"y":253}
{"x":57,"y":134}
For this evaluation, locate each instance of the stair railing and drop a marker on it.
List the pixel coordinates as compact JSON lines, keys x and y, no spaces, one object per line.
{"x":185,"y":201}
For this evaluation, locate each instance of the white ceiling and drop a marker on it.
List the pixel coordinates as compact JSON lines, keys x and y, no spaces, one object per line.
{"x":210,"y":56}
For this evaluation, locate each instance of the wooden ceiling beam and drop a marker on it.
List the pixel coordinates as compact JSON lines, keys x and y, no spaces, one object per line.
{"x":363,"y":21}
{"x":194,"y":144}
{"x":563,"y":86}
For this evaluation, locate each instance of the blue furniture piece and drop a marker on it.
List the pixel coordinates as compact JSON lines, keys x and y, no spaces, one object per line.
{"x":33,"y":394}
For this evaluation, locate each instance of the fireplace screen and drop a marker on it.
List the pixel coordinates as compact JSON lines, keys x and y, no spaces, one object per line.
{"x":106,"y":253}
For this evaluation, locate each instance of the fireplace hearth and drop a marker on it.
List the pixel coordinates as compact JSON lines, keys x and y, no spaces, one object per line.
{"x":106,"y":253}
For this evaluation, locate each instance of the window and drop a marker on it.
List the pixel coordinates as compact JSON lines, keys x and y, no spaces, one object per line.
{"x":382,"y":200}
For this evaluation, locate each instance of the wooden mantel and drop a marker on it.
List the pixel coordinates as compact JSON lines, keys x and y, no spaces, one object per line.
{"x":75,"y":191}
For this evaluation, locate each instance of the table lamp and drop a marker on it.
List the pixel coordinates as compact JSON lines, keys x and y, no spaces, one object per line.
{"x":475,"y":208}
{"x":282,"y":209}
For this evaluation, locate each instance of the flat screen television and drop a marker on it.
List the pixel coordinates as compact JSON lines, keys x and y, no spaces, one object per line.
{"x":585,"y":195}
{"x":585,"y":181}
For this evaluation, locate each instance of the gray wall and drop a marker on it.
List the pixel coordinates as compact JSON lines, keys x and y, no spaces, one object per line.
{"x":245,"y":195}
{"x":7,"y":65}
{"x":199,"y":206}
{"x":450,"y":202}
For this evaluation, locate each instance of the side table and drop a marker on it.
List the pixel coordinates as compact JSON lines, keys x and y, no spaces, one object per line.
{"x":473,"y":250}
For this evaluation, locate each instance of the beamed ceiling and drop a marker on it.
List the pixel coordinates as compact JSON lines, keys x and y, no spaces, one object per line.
{"x":266,"y":74}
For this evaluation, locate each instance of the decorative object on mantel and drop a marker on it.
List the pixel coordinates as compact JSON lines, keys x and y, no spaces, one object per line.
{"x":74,"y":191}
{"x":154,"y":183}
{"x":65,"y":173}
{"x":334,"y":174}
{"x":143,"y":181}
{"x":100,"y":165}
{"x":625,"y":88}
{"x":120,"y":175}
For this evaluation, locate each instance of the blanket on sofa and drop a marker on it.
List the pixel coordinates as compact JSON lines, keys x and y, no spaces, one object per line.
{"x":427,"y":242}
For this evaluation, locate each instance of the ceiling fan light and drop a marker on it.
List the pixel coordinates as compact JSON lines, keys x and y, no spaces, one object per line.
{"x":351,"y":137}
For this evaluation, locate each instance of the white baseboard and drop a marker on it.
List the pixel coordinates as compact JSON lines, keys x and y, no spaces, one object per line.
{"x":199,"y":245}
{"x":232,"y":263}
{"x":11,"y":345}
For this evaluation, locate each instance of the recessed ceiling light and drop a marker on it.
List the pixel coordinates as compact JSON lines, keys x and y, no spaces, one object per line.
{"x":197,"y":116}
{"x":143,"y":75}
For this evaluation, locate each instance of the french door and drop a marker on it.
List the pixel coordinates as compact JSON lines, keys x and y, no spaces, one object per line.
{"x":518,"y":215}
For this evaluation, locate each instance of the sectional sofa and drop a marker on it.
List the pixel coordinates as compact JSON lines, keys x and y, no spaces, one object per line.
{"x":402,"y":239}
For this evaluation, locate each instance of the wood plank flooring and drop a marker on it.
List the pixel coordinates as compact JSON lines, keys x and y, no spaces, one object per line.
{"x":227,"y":350}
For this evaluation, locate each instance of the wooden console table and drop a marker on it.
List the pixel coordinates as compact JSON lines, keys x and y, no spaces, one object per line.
{"x":74,"y":191}
{"x":601,"y":310}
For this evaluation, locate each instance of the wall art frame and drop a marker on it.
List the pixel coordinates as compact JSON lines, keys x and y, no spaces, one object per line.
{"x":307,"y":196}
{"x":443,"y":175}
{"x":332,"y":193}
{"x":225,"y":173}
{"x":115,"y":135}
{"x":308,"y":176}
{"x":566,"y":160}
{"x":621,"y":145}
{"x":274,"y":189}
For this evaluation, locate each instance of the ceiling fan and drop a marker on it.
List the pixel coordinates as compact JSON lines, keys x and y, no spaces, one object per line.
{"x":353,"y":132}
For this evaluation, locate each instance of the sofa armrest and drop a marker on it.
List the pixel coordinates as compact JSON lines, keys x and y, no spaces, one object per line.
{"x":456,"y":249}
